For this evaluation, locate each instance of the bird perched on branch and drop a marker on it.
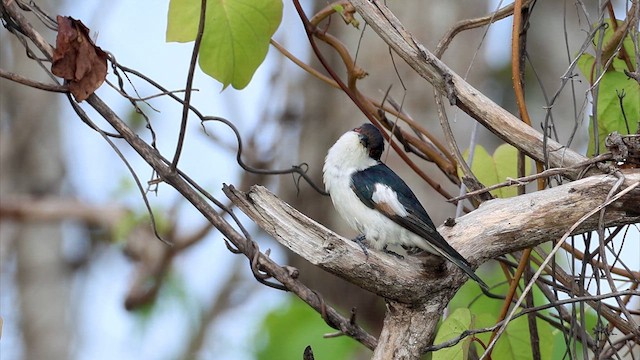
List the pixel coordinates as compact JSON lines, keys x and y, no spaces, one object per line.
{"x":377,"y":203}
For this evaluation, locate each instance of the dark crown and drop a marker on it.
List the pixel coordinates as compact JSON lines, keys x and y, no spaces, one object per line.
{"x":372,"y":139}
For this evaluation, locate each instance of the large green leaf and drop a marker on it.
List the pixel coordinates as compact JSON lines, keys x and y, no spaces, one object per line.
{"x":236,"y":36}
{"x":515,"y":341}
{"x":586,"y":62}
{"x":459,"y":321}
{"x":614,"y":82}
{"x":610,"y":111}
{"x":491,"y":170}
{"x":286,"y":332}
{"x":485,"y":310}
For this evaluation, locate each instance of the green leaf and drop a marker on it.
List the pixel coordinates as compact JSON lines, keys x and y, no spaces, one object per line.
{"x":586,"y":61}
{"x":485,"y":311}
{"x":286,"y":332}
{"x":459,"y":321}
{"x":614,"y":82}
{"x":236,"y":35}
{"x":182,"y":20}
{"x":491,"y":170}
{"x":515,"y":342}
{"x":610,"y":116}
{"x":585,"y":64}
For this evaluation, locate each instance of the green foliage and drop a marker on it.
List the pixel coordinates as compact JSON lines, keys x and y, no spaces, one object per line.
{"x":459,"y":321}
{"x":236,"y":35}
{"x":627,"y":43}
{"x":491,"y":170}
{"x":286,"y":332}
{"x":515,"y":342}
{"x":613,"y":84}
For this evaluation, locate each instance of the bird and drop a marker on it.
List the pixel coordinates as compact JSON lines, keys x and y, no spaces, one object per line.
{"x":377,"y":203}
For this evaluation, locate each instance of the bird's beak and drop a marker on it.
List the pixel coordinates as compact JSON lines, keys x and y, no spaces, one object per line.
{"x":361,"y":136}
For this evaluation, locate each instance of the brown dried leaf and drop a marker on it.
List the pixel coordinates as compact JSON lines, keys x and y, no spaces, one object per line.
{"x":77,"y":59}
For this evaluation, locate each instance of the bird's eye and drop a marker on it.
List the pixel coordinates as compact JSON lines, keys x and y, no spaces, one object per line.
{"x":364,"y":140}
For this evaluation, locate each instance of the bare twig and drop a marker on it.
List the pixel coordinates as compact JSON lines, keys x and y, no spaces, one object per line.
{"x":187,"y":94}
{"x":32,"y":83}
{"x":470,"y":100}
{"x":555,"y":249}
{"x":547,"y":173}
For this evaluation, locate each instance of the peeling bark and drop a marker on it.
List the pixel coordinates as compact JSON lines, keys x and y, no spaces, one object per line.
{"x":416,"y":296}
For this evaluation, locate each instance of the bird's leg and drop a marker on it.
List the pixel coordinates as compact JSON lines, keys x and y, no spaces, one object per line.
{"x":392,"y":253}
{"x":412,"y":250}
{"x":360,"y":241}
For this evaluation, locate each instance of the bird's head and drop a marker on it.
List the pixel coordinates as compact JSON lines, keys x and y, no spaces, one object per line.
{"x":371,"y":139}
{"x":357,"y":149}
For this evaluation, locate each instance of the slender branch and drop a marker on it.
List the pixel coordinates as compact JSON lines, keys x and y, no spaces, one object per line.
{"x":469,"y":24}
{"x":81,"y":114}
{"x":467,"y":333}
{"x":32,"y":83}
{"x":470,"y":100}
{"x":547,"y":173}
{"x":187,"y":94}
{"x":573,"y":227}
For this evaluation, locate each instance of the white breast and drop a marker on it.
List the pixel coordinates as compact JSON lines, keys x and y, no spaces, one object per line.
{"x":344,"y":158}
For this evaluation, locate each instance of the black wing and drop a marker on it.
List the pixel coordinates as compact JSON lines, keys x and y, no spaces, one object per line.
{"x":417,"y":219}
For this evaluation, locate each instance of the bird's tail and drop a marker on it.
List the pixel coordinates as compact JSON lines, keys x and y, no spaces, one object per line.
{"x":465,"y":266}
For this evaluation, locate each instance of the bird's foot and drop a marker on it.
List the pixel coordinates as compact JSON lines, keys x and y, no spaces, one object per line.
{"x":412,"y":250}
{"x":360,"y":239}
{"x":392,"y":253}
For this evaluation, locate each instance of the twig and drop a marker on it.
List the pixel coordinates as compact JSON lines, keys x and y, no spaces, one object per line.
{"x":187,"y":95}
{"x":526,"y":179}
{"x":548,"y":259}
{"x":469,"y":24}
{"x":32,"y":83}
{"x":143,"y":193}
{"x":466,"y":333}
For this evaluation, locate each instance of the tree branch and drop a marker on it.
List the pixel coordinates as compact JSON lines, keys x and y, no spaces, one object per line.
{"x":498,"y":227}
{"x":415,"y":293}
{"x":193,"y":193}
{"x":473,"y":102}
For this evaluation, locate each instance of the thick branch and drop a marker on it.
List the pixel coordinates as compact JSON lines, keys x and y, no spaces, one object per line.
{"x":408,"y":329}
{"x":473,"y":102}
{"x":498,"y":227}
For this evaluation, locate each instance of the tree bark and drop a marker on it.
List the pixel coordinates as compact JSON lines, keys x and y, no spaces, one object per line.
{"x":415,"y":294}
